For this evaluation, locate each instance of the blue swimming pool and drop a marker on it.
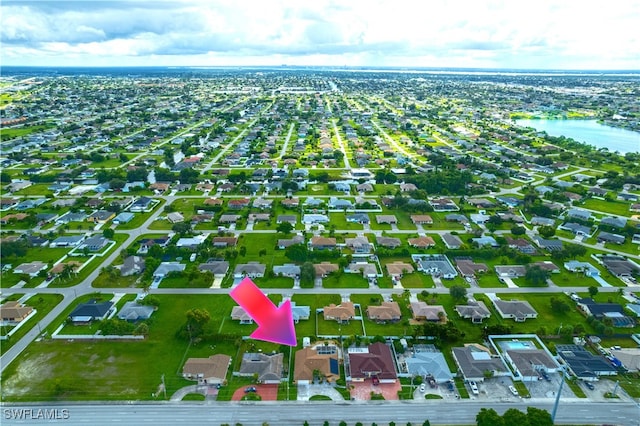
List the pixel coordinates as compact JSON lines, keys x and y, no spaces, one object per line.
{"x":517,"y":344}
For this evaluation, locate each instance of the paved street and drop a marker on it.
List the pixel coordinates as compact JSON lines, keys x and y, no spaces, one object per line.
{"x":284,"y":413}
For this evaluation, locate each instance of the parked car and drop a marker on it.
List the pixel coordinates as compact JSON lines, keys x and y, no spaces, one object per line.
{"x":375,"y":381}
{"x":423,"y":388}
{"x":513,"y":390}
{"x":474,"y":388}
{"x":589,"y":385}
{"x":250,"y":389}
{"x":450,"y":385}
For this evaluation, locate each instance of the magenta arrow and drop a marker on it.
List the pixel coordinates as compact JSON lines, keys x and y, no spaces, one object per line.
{"x":274,"y":324}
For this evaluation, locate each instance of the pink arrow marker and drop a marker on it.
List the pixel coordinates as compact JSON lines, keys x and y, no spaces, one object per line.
{"x":274,"y":324}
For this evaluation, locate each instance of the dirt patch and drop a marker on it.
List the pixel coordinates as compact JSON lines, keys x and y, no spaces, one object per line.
{"x":28,"y":372}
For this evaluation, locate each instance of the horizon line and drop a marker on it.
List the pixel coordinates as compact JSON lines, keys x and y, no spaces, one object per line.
{"x":335,"y":67}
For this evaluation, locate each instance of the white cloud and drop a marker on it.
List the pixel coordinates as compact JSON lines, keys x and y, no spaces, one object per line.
{"x":473,"y":33}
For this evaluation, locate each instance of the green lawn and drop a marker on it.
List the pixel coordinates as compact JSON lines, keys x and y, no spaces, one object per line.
{"x":613,"y":207}
{"x":327,"y":327}
{"x":345,"y":280}
{"x":274,"y":282}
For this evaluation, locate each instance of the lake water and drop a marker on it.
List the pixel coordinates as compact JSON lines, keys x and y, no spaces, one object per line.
{"x":590,"y":132}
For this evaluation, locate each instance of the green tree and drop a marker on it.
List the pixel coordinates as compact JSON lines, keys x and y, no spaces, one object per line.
{"x":458,"y":292}
{"x":518,"y":230}
{"x":515,"y":417}
{"x":593,"y":291}
{"x":536,"y":276}
{"x":546,"y":231}
{"x":489,"y":417}
{"x":559,"y":306}
{"x":284,"y":228}
{"x":538,"y":417}
{"x":181,"y":228}
{"x":108,"y":233}
{"x":307,"y":274}
{"x":196,"y":320}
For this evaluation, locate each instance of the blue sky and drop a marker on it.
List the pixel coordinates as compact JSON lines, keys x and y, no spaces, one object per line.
{"x":540,"y":34}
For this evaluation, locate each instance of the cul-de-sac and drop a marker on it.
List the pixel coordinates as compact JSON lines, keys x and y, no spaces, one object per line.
{"x":434,"y":244}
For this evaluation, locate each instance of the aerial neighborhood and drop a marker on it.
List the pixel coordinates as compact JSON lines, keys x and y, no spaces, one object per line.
{"x":431,"y":247}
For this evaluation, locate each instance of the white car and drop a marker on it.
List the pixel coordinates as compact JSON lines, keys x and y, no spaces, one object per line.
{"x":474,"y":388}
{"x":513,"y":390}
{"x":423,"y":388}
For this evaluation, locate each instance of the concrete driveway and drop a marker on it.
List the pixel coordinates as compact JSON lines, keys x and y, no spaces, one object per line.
{"x":362,"y":391}
{"x":305,"y":392}
{"x":266,"y":392}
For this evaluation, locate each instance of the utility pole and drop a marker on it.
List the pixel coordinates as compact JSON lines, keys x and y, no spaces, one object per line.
{"x":555,"y":405}
{"x":164,"y":388}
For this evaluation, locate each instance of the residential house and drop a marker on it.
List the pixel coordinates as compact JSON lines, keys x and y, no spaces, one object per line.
{"x":71,"y":217}
{"x":475,"y":362}
{"x":368,"y":270}
{"x":320,"y":360}
{"x":166,"y":268}
{"x":287,"y":242}
{"x":359,"y":244}
{"x":133,"y":311}
{"x":67,"y":241}
{"x":615,"y":222}
{"x":423,"y":312}
{"x":443,"y":205}
{"x":550,"y":245}
{"x":619,"y":266}
{"x":288,"y":218}
{"x":341,"y":313}
{"x":142,"y":204}
{"x":340,"y":204}
{"x":386,"y":312}
{"x":474,"y":310}
{"x":250,"y":269}
{"x":145,"y":244}
{"x":579,"y":214}
{"x":521,"y":244}
{"x":361,"y":218}
{"x":468,"y":268}
{"x":519,"y":310}
{"x":452,"y":242}
{"x":223,"y":242}
{"x":542,"y":221}
{"x":229,"y":218}
{"x":456,"y":217}
{"x":606,"y":237}
{"x":614,"y":312}
{"x":258,"y":217}
{"x":238,"y":203}
{"x":298,"y":312}
{"x":322,"y":243}
{"x":290,"y":203}
{"x":132,"y":265}
{"x":311,"y":219}
{"x":486,"y":240}
{"x":175,"y":217}
{"x":211,"y":370}
{"x":31,"y":268}
{"x":218,"y":268}
{"x":388,"y":242}
{"x":93,"y":310}
{"x":323,"y":269}
{"x":376,"y":362}
{"x":268,"y":368}
{"x":122,"y":218}
{"x":95,"y":243}
{"x":388,"y":219}
{"x":429,"y":363}
{"x":263,"y":203}
{"x":397,"y":269}
{"x":13,"y":312}
{"x":437,"y":265}
{"x":287,"y":270}
{"x":422,"y":242}
{"x":583,"y":364}
{"x":421,"y":219}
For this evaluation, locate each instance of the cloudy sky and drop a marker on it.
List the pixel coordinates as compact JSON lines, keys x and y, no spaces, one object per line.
{"x":540,"y":34}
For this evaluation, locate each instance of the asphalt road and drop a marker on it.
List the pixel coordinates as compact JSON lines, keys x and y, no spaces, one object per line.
{"x":282,"y":413}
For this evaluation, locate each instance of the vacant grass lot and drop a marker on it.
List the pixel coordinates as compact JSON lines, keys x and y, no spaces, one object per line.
{"x":613,"y":207}
{"x":345,"y":280}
